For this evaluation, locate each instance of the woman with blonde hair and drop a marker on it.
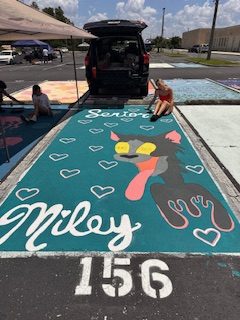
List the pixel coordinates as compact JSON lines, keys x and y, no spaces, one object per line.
{"x":165,"y":102}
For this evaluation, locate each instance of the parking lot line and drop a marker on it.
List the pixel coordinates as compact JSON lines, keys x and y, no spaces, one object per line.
{"x":52,"y":67}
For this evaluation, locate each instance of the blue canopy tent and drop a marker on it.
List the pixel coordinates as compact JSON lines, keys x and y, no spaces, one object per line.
{"x":31,"y":43}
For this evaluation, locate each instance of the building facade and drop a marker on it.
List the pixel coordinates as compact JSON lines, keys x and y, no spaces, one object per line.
{"x":225,"y":39}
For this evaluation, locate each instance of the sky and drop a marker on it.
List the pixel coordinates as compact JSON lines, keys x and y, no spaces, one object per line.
{"x":180,"y":15}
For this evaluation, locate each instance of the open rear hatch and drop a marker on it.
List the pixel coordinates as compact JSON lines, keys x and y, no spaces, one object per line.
{"x":114,"y":27}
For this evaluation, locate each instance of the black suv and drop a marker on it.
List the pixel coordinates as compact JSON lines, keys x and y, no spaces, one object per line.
{"x":117,"y":59}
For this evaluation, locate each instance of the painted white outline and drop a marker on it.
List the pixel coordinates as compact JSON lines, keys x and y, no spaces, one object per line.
{"x":95,"y":131}
{"x":206,"y":232}
{"x":67,"y":140}
{"x":76,"y":172}
{"x":102,"y":189}
{"x":110,"y":124}
{"x":84,"y":121}
{"x":36,"y":191}
{"x":110,"y":164}
{"x":95,"y":148}
{"x":147,"y":128}
{"x":134,"y":110}
{"x":191,"y":168}
{"x":127,"y":119}
{"x":166,"y":120}
{"x":58,"y":156}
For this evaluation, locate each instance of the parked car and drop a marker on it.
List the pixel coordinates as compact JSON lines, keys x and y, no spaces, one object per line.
{"x":148,"y":45}
{"x":8,"y":56}
{"x":117,"y":58}
{"x":64,"y":49}
{"x":199,"y":48}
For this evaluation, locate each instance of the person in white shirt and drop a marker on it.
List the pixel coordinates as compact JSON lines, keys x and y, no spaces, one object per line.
{"x":45,"y":55}
{"x":41,"y":105}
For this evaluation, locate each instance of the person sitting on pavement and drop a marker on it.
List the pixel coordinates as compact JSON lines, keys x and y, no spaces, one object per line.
{"x":41,"y":105}
{"x":165,"y":102}
{"x":3,"y":92}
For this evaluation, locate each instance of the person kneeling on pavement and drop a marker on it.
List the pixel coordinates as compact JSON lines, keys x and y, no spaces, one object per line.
{"x":41,"y":105}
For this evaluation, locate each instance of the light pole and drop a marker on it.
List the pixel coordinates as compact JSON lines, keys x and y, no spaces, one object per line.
{"x":163,"y":14}
{"x":212,"y":30}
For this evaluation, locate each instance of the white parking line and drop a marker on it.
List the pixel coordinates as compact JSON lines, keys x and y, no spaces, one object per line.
{"x":151,"y":66}
{"x":59,"y":65}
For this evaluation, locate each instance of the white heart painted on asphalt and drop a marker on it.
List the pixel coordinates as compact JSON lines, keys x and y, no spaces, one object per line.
{"x":95,"y":148}
{"x":196,"y":169}
{"x":65,"y":173}
{"x":147,"y":128}
{"x":84,"y":121}
{"x":67,"y":140}
{"x":201,"y":235}
{"x":96,"y":131}
{"x":58,"y":157}
{"x":101,"y":192}
{"x":127,"y":119}
{"x":166,"y":120}
{"x":106,"y":165}
{"x":110,"y":125}
{"x":133,"y":110}
{"x":26,"y":193}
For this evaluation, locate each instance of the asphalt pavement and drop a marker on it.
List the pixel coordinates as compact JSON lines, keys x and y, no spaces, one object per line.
{"x":181,"y":263}
{"x":20,"y":76}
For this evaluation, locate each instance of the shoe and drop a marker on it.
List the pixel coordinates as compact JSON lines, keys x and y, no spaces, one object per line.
{"x":154,"y":117}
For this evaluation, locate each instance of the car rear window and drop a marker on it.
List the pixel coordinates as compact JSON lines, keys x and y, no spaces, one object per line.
{"x":117,"y":51}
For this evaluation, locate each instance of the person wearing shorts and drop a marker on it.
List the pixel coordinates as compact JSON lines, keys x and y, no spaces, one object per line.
{"x":165,"y":101}
{"x":41,"y":105}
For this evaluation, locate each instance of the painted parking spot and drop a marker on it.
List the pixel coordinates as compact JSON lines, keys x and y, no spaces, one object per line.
{"x":61,"y":91}
{"x":188,"y":65}
{"x":113,"y":181}
{"x":21,"y":137}
{"x":233,"y":83}
{"x":193,"y":89}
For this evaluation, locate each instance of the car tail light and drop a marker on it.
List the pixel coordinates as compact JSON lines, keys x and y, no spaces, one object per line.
{"x":94,"y":72}
{"x":146,"y":58}
{"x":87,"y":60}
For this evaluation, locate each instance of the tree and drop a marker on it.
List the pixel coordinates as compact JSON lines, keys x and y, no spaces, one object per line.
{"x":34,"y":5}
{"x":49,"y":11}
{"x":175,"y":42}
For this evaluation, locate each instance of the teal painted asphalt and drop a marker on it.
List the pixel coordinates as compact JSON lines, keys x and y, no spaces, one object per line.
{"x":111,"y":180}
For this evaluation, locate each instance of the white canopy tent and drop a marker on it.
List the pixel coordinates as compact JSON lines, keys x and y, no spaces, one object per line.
{"x":19,"y":21}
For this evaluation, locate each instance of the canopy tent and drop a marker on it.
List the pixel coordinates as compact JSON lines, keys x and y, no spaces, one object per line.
{"x":19,"y":21}
{"x":31,"y":43}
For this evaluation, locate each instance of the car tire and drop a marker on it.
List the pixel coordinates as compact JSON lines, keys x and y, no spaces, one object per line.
{"x":11,"y":61}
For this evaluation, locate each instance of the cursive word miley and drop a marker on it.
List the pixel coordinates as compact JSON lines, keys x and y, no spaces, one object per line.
{"x":125,"y":114}
{"x":62,"y":221}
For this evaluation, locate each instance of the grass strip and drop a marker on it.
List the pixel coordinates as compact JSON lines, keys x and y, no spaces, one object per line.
{"x":214,"y":62}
